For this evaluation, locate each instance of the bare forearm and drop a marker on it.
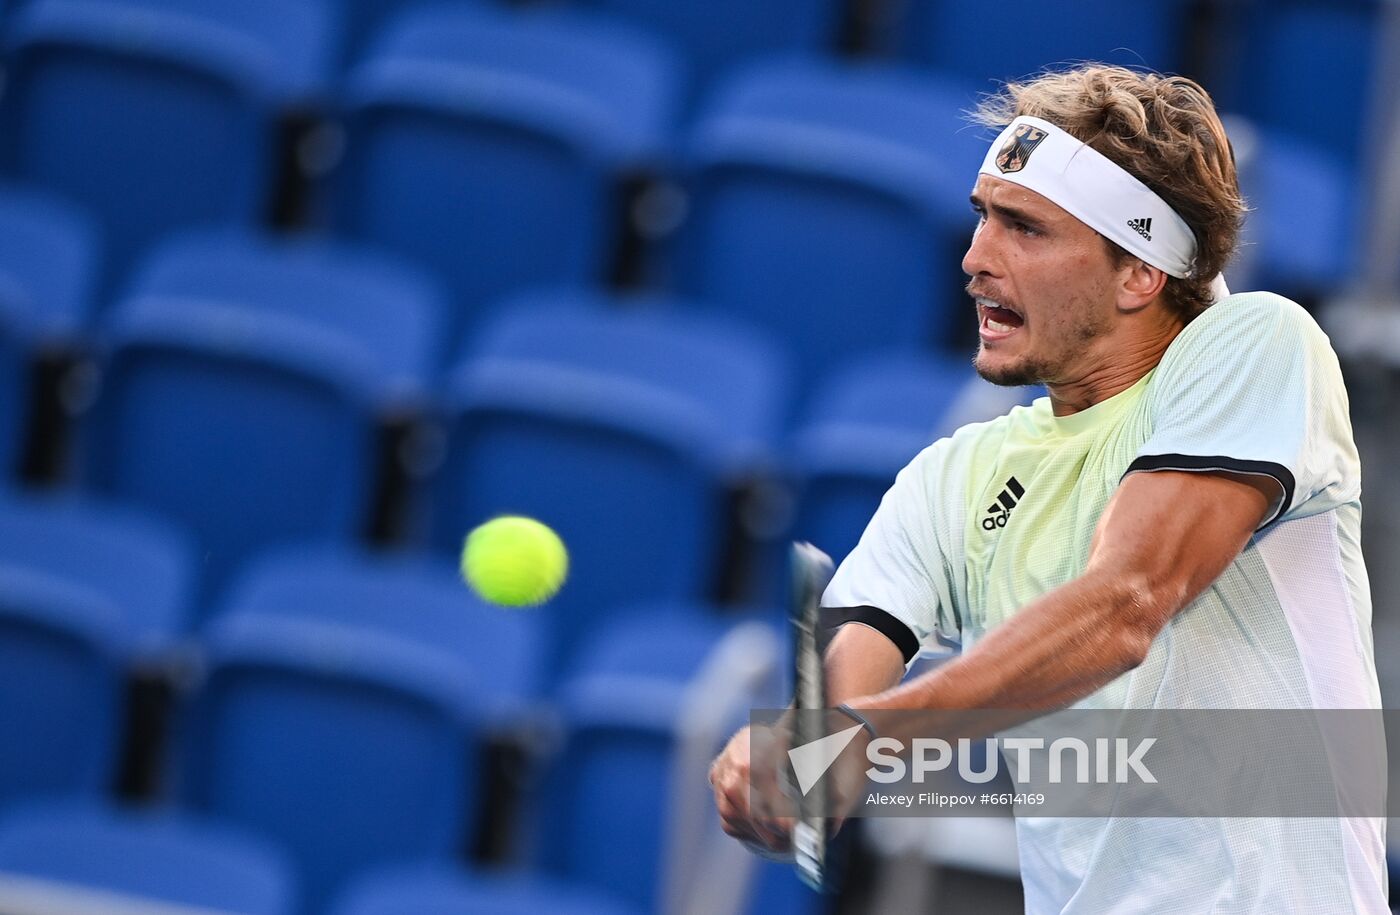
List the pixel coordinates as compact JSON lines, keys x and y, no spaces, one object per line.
{"x":1065,"y":645}
{"x":860,"y":662}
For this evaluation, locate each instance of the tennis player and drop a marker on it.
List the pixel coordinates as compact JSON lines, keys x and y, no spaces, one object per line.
{"x":1177,"y":525}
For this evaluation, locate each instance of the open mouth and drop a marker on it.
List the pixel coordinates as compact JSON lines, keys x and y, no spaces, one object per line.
{"x":997,"y":322}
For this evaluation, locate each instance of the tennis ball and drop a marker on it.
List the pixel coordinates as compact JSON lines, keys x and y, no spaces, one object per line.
{"x":514,"y":561}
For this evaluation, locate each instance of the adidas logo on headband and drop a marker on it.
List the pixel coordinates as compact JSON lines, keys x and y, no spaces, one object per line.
{"x":1041,"y":157}
{"x":1142,"y":227}
{"x":1096,"y":191}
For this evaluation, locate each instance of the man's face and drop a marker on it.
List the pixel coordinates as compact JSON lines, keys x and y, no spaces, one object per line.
{"x":1043,"y":284}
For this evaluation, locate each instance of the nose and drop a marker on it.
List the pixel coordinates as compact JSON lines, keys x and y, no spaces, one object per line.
{"x":981,"y":258}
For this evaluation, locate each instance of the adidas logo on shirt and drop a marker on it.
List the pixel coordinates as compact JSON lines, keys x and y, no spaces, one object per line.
{"x":1142,"y":227}
{"x":1000,"y":511}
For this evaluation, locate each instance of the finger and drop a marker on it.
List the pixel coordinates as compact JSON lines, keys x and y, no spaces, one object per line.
{"x":732,"y":806}
{"x":741,"y":829}
{"x":781,"y":826}
{"x":733,"y":818}
{"x":736,"y":792}
{"x":727,"y":772}
{"x":764,"y":778}
{"x":761,"y":801}
{"x":774,"y":836}
{"x":766,"y":822}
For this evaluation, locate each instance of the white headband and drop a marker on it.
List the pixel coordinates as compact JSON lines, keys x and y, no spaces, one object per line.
{"x":1041,"y":157}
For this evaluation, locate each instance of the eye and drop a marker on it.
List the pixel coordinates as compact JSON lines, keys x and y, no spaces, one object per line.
{"x":1026,"y":229}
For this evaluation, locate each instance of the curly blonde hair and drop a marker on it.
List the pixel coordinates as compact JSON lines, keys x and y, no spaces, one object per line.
{"x":1163,"y":130}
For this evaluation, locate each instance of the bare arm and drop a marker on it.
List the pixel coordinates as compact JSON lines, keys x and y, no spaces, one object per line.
{"x":1162,"y":540}
{"x":860,"y":661}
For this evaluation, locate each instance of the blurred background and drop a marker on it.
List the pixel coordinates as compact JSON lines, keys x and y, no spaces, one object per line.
{"x":293,"y":293}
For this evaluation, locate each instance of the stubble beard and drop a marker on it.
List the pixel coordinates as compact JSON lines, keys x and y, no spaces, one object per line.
{"x":1044,"y":369}
{"x":1026,"y":372}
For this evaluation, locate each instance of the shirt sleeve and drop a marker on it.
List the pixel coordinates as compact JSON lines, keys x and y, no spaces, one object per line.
{"x":898,"y":579}
{"x":1253,"y":387}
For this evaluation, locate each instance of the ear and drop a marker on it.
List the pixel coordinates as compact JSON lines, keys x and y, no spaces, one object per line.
{"x":1139,"y":285}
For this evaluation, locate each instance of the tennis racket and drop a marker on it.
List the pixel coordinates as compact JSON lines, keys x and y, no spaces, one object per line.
{"x":811,"y":572}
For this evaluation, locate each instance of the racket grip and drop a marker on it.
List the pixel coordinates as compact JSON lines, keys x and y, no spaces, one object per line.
{"x":809,"y":855}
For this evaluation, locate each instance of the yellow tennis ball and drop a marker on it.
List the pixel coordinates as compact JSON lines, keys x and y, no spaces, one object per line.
{"x":514,"y":561}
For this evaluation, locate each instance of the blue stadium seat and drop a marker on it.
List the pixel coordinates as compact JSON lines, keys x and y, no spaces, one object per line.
{"x":830,"y":205}
{"x":48,"y":265}
{"x":351,"y":748}
{"x":158,"y":114}
{"x":603,"y":815}
{"x":365,"y":19}
{"x":622,"y":429}
{"x":606,"y":816}
{"x":143,"y":564}
{"x":50,"y":259}
{"x":667,"y":641}
{"x":129,"y":858}
{"x":418,"y":598}
{"x":957,"y":37}
{"x":869,"y":420}
{"x":84,"y":594}
{"x":446,"y":891}
{"x":390,"y":308}
{"x":718,"y":35}
{"x":1289,"y":62}
{"x":1308,"y":155}
{"x":489,"y":145}
{"x":1300,"y":233}
{"x":244,"y":383}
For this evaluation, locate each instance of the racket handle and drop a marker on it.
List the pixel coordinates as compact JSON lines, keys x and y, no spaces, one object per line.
{"x":809,"y":855}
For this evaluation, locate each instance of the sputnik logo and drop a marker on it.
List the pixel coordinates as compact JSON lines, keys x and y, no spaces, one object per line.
{"x":811,"y":760}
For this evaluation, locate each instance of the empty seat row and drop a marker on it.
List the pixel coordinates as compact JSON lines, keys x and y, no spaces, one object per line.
{"x":492,"y":149}
{"x":156,"y":113}
{"x":305,"y":637}
{"x":241,"y":388}
{"x":428,"y":890}
{"x":255,"y":421}
{"x":76,"y":856}
{"x":89,"y":857}
{"x":339,"y":703}
{"x":245,"y":384}
{"x":1166,"y":35}
{"x":495,"y":148}
{"x":712,"y":38}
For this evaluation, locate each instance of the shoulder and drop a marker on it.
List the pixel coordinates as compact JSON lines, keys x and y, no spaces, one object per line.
{"x":1247,"y":324}
{"x":1252,"y":337}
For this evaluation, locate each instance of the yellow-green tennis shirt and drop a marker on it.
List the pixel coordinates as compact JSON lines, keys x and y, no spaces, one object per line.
{"x":986,"y":520}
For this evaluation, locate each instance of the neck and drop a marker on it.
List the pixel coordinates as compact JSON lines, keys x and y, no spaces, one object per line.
{"x":1102,"y":378}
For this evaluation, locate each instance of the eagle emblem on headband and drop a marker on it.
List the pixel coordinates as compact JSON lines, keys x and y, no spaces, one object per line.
{"x":1017,"y":150}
